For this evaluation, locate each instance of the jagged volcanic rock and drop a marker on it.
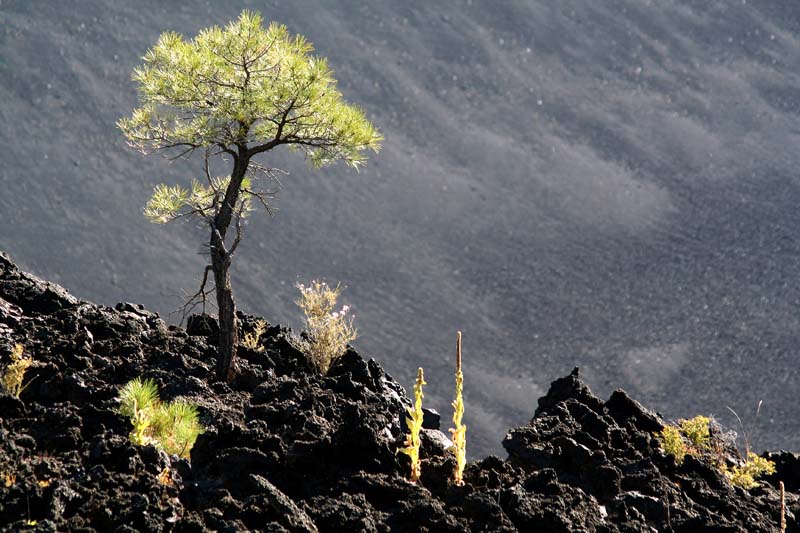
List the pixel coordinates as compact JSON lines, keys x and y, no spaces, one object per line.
{"x":288,"y":450}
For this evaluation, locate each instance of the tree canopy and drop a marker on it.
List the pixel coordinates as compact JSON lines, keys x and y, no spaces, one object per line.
{"x":245,"y":89}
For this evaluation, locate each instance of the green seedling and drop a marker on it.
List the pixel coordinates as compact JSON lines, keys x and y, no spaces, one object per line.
{"x":173,"y":426}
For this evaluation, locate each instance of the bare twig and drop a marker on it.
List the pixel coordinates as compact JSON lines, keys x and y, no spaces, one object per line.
{"x":748,"y":435}
{"x":238,"y":238}
{"x":262,"y":198}
{"x":200,"y":298}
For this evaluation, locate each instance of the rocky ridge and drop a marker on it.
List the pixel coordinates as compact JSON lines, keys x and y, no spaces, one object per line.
{"x":287,"y":450}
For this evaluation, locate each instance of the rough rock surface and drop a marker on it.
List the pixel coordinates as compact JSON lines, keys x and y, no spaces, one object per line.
{"x":287,"y":450}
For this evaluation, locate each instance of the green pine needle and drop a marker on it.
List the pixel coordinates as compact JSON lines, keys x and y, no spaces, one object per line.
{"x":173,"y":426}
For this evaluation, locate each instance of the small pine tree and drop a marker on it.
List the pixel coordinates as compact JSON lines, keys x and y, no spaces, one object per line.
{"x":236,"y":93}
{"x":173,"y":426}
{"x":138,"y":400}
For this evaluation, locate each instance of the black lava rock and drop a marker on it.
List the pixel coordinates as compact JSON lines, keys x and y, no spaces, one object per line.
{"x":286,"y":449}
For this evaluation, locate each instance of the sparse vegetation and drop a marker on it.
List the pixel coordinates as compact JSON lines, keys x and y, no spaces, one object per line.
{"x":694,"y":437}
{"x":13,"y":379}
{"x":696,"y":430}
{"x":328,"y":331}
{"x":459,"y":432}
{"x":745,"y":474}
{"x":673,"y":444}
{"x":414,"y":423}
{"x":172,"y":426}
{"x":234,"y":93}
{"x":252,"y":339}
{"x":138,"y":401}
{"x":689,"y":437}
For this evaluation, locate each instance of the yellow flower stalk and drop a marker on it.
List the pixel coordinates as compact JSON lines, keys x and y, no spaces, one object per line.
{"x":414,"y":423}
{"x":459,"y":433}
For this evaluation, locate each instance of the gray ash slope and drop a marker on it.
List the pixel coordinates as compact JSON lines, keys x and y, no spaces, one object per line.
{"x":286,"y":450}
{"x":604,"y":184}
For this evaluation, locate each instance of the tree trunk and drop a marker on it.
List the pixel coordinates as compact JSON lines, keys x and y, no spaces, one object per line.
{"x":221,"y":259}
{"x":228,"y":334}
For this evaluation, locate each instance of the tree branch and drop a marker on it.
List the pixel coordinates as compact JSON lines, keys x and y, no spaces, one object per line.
{"x":238,"y":237}
{"x":263,"y":147}
{"x":262,"y":197}
{"x":200,"y":298}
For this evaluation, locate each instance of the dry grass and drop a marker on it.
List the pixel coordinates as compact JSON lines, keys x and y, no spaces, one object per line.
{"x":165,"y":477}
{"x":14,"y":374}
{"x":252,"y":339}
{"x":328,"y":331}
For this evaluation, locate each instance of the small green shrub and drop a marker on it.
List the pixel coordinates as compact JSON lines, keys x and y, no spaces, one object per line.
{"x":744,"y":475}
{"x":328,"y":331}
{"x":172,"y":426}
{"x":672,"y":443}
{"x":688,"y":437}
{"x":694,"y":437}
{"x":696,"y":430}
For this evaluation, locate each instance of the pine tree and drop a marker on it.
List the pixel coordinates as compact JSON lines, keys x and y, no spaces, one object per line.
{"x":235,"y":93}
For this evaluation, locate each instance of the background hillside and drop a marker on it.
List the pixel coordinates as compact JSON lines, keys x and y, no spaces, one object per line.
{"x":604,"y":184}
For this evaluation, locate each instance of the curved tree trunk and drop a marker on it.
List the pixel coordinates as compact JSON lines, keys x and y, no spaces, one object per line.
{"x":221,"y":259}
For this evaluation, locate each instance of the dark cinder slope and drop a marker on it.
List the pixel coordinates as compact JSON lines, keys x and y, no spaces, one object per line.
{"x":604,"y":184}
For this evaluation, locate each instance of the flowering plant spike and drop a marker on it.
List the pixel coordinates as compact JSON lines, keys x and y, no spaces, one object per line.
{"x":459,"y":433}
{"x":414,"y":423}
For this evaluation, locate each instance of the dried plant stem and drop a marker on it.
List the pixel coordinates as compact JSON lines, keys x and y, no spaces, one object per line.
{"x":459,"y":432}
{"x":783,"y":507}
{"x":458,"y":351}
